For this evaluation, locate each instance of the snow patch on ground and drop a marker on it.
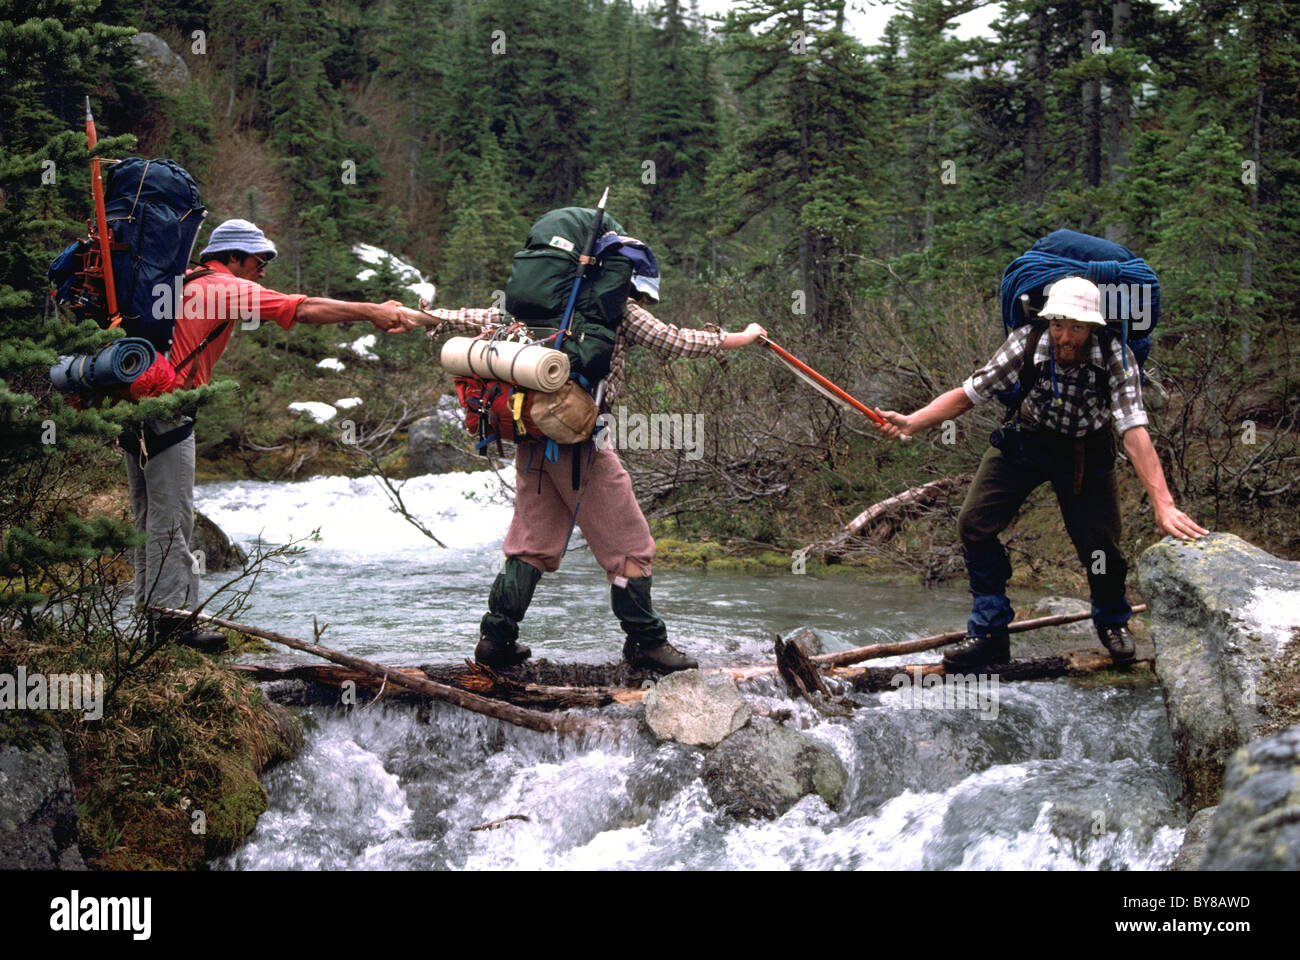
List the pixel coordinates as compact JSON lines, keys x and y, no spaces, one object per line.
{"x":329,"y":363}
{"x":320,"y":412}
{"x":361,"y":347}
{"x":412,"y":279}
{"x":347,"y":403}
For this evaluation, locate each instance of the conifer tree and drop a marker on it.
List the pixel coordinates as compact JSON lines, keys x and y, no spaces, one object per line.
{"x":810,"y":98}
{"x":54,"y":52}
{"x":486,"y":230}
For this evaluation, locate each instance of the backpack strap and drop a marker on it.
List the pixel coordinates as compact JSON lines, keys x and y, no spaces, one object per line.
{"x":1028,"y":370}
{"x":218,"y":331}
{"x":1101,"y":378}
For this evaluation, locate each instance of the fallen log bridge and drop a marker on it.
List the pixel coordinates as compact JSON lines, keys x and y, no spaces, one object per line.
{"x":412,"y":680}
{"x":523,"y":694}
{"x":585,"y":690}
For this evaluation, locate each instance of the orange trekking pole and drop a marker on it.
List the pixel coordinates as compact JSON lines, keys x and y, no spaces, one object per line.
{"x":819,"y":383}
{"x":100,"y":230}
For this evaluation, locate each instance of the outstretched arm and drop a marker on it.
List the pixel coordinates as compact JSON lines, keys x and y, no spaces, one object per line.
{"x":642,"y":326}
{"x":750,"y":334}
{"x":946,"y":406}
{"x":1137,"y":442}
{"x":467,"y":321}
{"x":390,"y":317}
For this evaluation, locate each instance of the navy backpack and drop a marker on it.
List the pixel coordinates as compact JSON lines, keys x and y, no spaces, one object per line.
{"x":154,"y":213}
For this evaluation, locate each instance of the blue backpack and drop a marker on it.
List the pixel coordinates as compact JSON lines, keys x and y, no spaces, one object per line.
{"x":154,"y":213}
{"x":1130,"y":299}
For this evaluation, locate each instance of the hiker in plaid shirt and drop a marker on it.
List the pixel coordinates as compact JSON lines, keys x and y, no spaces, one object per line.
{"x":1080,"y":385}
{"x":605,"y":506}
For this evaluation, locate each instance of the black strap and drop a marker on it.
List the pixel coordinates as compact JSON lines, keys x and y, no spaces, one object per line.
{"x":202,"y":346}
{"x":207,"y":341}
{"x":1028,"y":369}
{"x":154,"y":443}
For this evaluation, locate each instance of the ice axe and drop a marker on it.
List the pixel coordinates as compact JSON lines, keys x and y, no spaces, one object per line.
{"x":824,"y":386}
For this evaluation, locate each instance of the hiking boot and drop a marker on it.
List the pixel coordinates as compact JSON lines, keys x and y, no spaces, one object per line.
{"x":665,"y":657}
{"x":512,"y":592}
{"x":498,"y":655}
{"x":184,"y":631}
{"x":1119,"y":641}
{"x":647,"y":643}
{"x":978,"y":652}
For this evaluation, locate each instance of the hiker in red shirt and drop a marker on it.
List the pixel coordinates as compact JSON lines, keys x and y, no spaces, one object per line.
{"x":222,"y":294}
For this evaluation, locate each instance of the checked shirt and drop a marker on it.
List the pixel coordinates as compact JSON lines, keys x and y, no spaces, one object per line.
{"x":1073,"y":407}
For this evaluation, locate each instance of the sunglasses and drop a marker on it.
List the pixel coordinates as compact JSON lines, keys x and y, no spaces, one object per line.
{"x":261,"y":261}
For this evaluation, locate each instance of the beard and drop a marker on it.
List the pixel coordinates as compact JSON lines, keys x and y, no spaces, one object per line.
{"x":1069,"y":355}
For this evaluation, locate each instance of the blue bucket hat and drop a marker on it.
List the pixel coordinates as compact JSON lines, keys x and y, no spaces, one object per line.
{"x":238,"y":235}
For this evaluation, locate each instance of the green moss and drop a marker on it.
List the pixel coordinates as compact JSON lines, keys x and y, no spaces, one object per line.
{"x":180,"y":735}
{"x":1139,"y":677}
{"x":26,"y":730}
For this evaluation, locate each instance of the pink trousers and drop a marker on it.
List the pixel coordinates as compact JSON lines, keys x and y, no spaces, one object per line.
{"x":608,"y":514}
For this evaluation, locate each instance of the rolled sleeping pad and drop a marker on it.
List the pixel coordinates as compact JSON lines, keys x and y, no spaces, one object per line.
{"x":529,"y":365}
{"x":118,"y":364}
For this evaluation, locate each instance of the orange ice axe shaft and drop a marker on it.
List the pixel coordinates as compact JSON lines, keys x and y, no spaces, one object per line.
{"x":814,"y":378}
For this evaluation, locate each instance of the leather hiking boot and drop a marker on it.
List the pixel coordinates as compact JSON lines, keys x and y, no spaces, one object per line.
{"x":512,"y":592}
{"x":978,"y":652}
{"x":663,"y":657}
{"x":1119,"y":641}
{"x":207,"y":641}
{"x":500,"y":654}
{"x":187,"y":634}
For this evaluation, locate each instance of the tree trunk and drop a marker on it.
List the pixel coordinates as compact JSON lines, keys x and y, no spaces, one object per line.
{"x":1035,"y":107}
{"x":1118,"y":119}
{"x":879,"y":679}
{"x":1090,"y":95}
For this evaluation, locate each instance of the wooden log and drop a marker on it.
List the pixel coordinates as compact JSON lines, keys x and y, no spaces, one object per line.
{"x":878,"y":650}
{"x":600,"y":684}
{"x":916,"y":496}
{"x":804,"y":678}
{"x":877,"y":679}
{"x":863,"y":679}
{"x":519,"y":716}
{"x":472,"y":677}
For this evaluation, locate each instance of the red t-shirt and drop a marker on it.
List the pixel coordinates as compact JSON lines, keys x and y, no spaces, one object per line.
{"x":208,"y":302}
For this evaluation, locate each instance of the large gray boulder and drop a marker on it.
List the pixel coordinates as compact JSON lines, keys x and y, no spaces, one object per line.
{"x":1225,"y":620}
{"x":162,"y":64}
{"x":1257,"y":826}
{"x":38,"y":809}
{"x":686,"y":707}
{"x":763,"y":769}
{"x":428,"y":449}
{"x":219,"y":551}
{"x":1195,"y":839}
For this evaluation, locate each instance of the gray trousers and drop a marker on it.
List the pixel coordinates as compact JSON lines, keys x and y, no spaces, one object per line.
{"x":162,"y":499}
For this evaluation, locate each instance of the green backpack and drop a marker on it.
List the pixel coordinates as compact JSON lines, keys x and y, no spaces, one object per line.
{"x":541,"y":280}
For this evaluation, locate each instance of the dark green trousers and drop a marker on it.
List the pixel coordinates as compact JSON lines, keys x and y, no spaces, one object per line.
{"x":1002,"y":484}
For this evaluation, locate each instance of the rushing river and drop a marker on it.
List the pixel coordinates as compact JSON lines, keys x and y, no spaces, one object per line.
{"x":1061,"y":776}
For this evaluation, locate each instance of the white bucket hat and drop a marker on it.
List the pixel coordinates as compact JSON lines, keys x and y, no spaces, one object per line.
{"x":1073,"y":298}
{"x":237,"y":235}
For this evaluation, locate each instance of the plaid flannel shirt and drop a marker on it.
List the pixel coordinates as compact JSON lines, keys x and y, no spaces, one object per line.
{"x":1073,"y":407}
{"x":638,"y":326}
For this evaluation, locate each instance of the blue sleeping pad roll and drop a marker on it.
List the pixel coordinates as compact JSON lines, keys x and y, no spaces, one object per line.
{"x":117,"y":365}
